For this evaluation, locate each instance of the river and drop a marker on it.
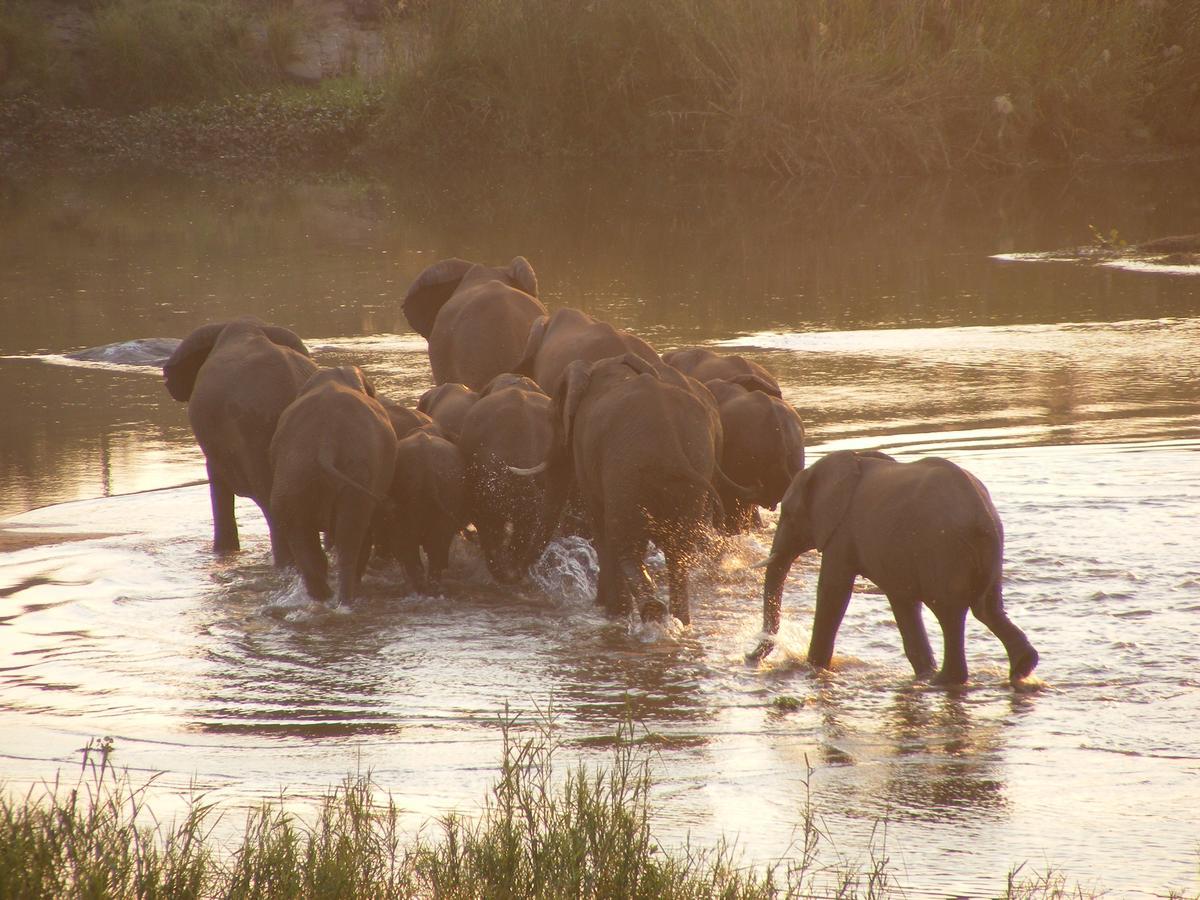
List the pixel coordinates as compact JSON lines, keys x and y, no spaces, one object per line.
{"x":1071,"y":389}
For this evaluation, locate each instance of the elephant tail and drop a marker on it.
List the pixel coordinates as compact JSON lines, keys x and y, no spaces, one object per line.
{"x":742,"y":492}
{"x":325,"y":459}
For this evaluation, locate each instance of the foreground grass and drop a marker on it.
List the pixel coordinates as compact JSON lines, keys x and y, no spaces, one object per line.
{"x":584,"y":834}
{"x":793,"y":86}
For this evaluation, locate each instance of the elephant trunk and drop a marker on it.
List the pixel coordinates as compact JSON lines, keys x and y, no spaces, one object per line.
{"x":779,"y":563}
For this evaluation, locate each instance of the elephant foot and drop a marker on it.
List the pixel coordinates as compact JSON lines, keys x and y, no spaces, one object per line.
{"x":226,"y":547}
{"x":949,"y":677}
{"x":759,"y":653}
{"x":654,"y":611}
{"x":1023,"y":665}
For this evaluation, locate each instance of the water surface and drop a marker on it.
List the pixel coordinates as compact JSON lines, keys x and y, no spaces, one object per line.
{"x":1072,"y":390}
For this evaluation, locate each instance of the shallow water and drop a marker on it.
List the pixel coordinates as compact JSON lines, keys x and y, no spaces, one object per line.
{"x":1072,"y":390}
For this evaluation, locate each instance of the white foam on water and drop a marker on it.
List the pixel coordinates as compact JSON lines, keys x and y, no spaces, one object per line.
{"x":568,"y":570}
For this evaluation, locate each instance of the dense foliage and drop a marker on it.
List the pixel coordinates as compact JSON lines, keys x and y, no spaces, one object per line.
{"x":791,"y":86}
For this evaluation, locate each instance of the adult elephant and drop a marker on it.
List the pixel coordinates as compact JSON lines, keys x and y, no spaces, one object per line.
{"x":557,"y":340}
{"x":924,"y":532}
{"x":333,"y":454}
{"x":237,"y":378}
{"x":476,"y":318}
{"x":644,"y":452}
{"x":511,"y":426}
{"x":704,"y":365}
{"x":763,"y":446}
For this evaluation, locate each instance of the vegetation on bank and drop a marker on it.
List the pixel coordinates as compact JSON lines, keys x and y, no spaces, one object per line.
{"x":815,"y":86}
{"x":584,"y":834}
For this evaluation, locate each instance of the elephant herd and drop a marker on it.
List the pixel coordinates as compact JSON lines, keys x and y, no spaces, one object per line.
{"x":540,"y":423}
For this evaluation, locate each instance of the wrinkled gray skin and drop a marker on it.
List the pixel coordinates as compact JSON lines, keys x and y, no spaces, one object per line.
{"x":237,"y":378}
{"x":924,"y":532}
{"x":558,"y":340}
{"x":448,"y":405}
{"x":644,"y":452}
{"x":763,"y":445}
{"x":515,"y":516}
{"x":704,"y":365}
{"x":333,"y":454}
{"x":476,"y":318}
{"x":429,"y":506}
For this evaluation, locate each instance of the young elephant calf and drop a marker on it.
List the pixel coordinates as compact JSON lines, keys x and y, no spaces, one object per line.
{"x":333,"y":455}
{"x":428,"y":506}
{"x":924,"y":532}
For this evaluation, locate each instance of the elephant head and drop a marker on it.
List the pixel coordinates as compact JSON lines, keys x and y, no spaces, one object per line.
{"x":438,"y":283}
{"x":181,"y":369}
{"x":351,"y":377}
{"x":815,"y":504}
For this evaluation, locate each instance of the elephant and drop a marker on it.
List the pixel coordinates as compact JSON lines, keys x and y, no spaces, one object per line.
{"x":557,"y":340}
{"x":237,"y":378}
{"x":644,"y":448}
{"x":428,"y":508}
{"x":511,"y":426}
{"x":763,"y":445}
{"x":923,"y":531}
{"x":448,"y":404}
{"x":333,"y":454}
{"x":704,"y":365}
{"x":476,"y":318}
{"x":405,"y":421}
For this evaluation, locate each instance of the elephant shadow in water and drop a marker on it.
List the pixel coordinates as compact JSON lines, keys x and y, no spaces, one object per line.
{"x":237,"y":378}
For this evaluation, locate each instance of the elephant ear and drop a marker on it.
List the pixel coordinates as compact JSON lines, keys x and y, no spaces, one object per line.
{"x":285,"y":337}
{"x":537,"y":331}
{"x":756,"y":383}
{"x":429,"y":293}
{"x":182,"y":367}
{"x":828,"y":490}
{"x":521,"y":273}
{"x":571,"y":388}
{"x":639,"y":365}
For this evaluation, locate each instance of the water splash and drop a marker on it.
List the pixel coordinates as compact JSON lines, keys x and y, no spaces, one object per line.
{"x":568,"y":570}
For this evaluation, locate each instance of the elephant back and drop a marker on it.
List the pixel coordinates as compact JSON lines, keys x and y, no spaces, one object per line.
{"x":183,"y":366}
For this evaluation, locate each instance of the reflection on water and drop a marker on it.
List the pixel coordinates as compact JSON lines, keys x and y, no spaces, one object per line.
{"x":1072,"y":391}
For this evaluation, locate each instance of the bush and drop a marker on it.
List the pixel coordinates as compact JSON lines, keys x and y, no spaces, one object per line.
{"x":148,"y":52}
{"x":842,"y":86}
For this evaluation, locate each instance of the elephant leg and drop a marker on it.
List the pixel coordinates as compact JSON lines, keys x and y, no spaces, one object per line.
{"x":1022,"y":657}
{"x":834,"y":586}
{"x":281,"y":549}
{"x":677,"y":582}
{"x":610,"y":592}
{"x":495,"y":551}
{"x":953,"y":620}
{"x":225,"y":530}
{"x":310,"y":559}
{"x":437,"y":554}
{"x":907,"y":613}
{"x":409,"y":554}
{"x":352,"y":521}
{"x":641,"y":588}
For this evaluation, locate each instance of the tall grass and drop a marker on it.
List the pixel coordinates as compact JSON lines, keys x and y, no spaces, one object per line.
{"x":586,"y":834}
{"x":844,"y":86}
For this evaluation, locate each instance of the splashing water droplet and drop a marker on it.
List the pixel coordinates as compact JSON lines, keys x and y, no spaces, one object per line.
{"x":568,"y":570}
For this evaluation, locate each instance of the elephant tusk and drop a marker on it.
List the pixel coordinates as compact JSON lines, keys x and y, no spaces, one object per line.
{"x":535,"y":470}
{"x":761,"y":564}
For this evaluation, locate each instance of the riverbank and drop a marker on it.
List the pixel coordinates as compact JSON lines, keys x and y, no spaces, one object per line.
{"x":862,"y":87}
{"x":584,"y":832}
